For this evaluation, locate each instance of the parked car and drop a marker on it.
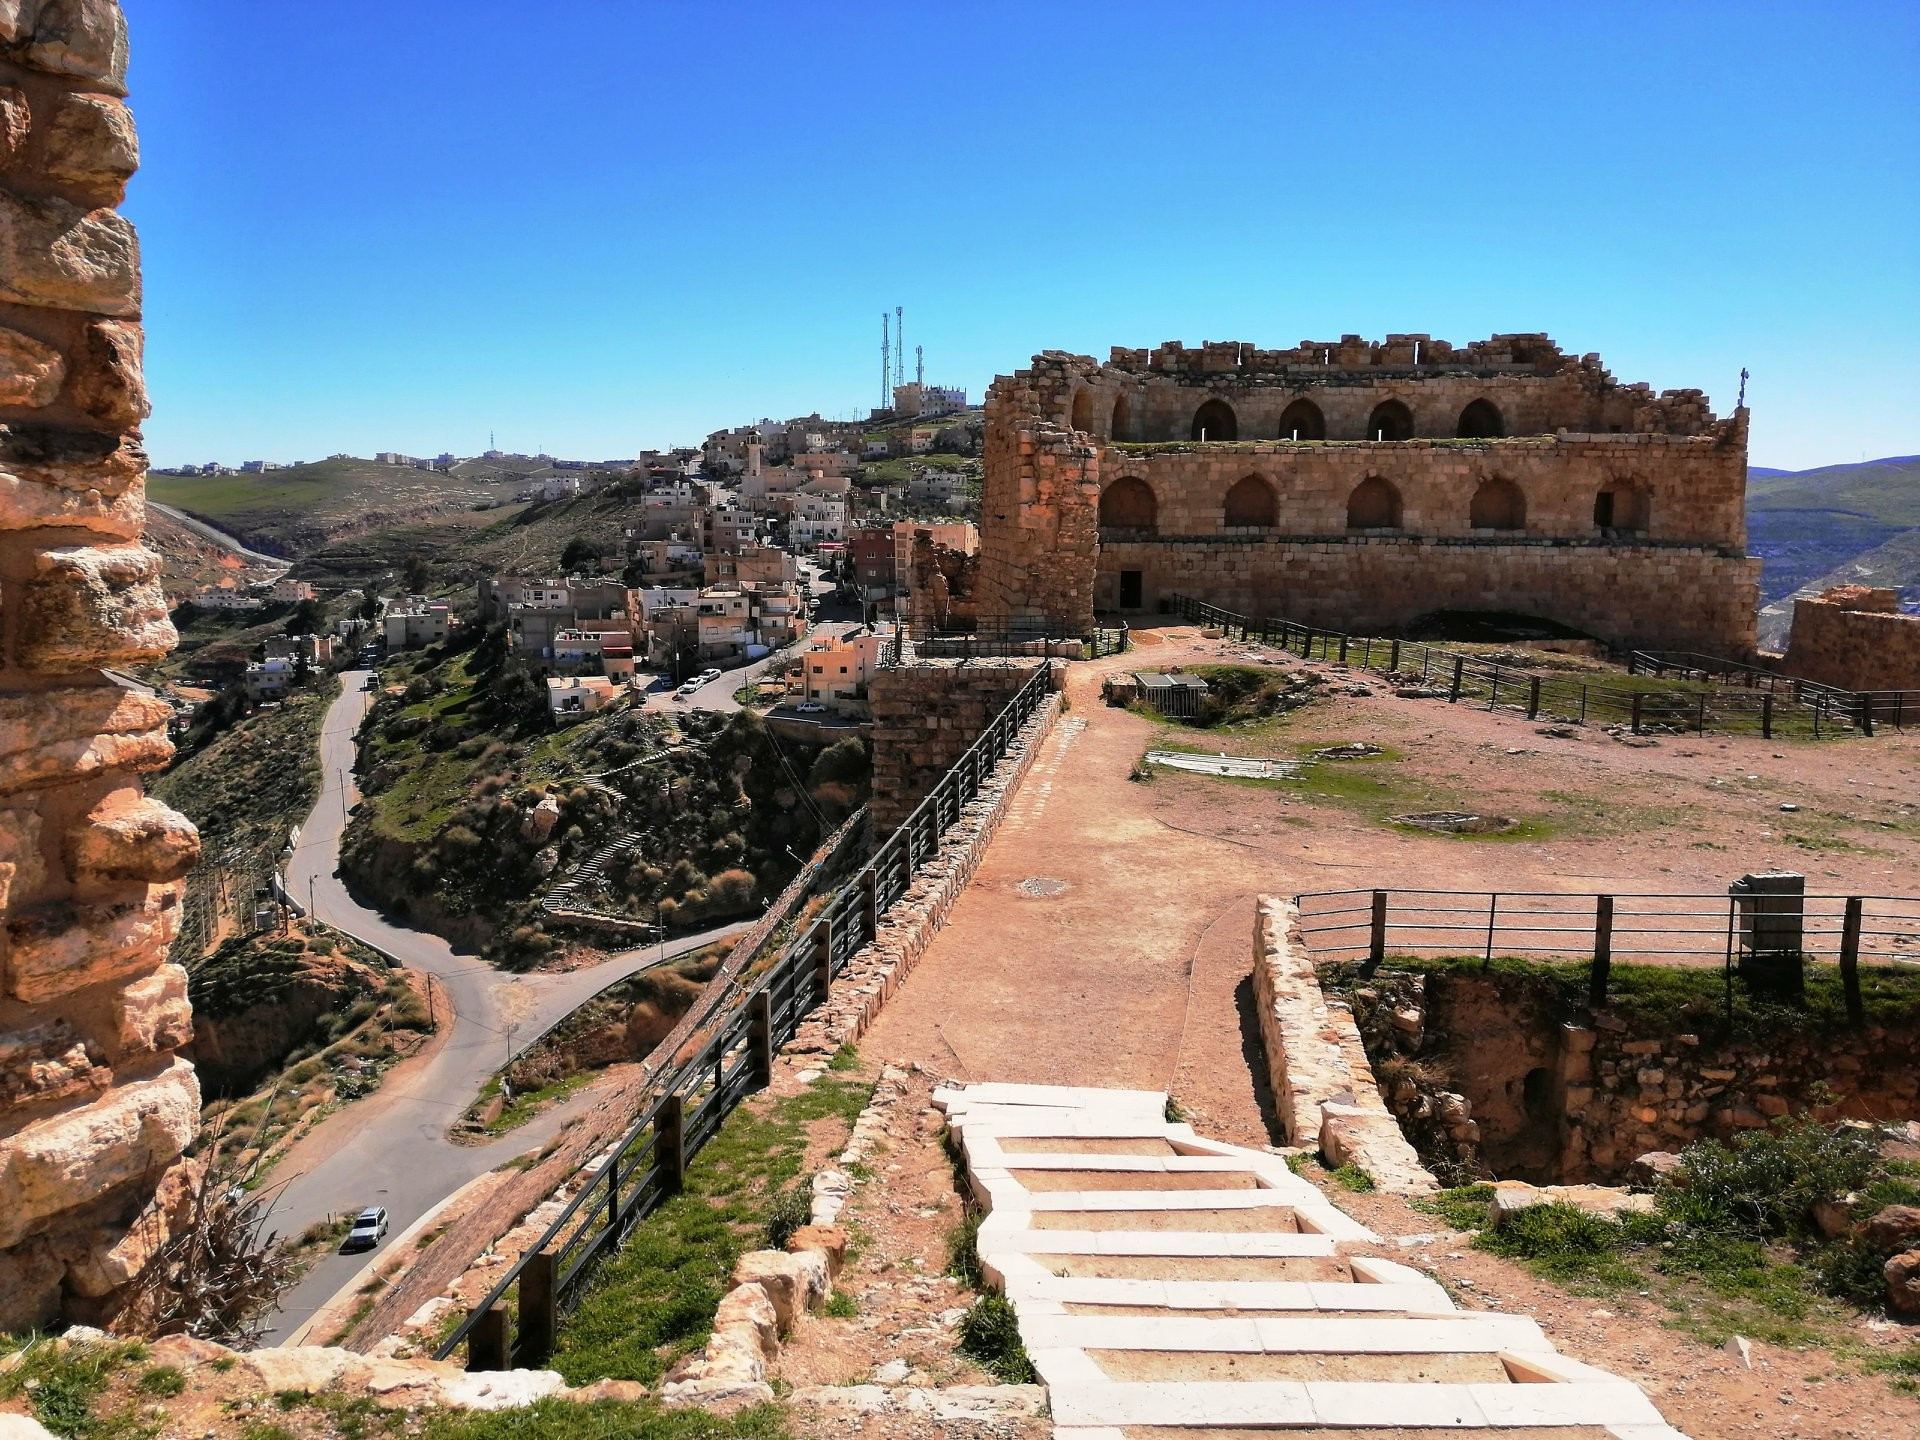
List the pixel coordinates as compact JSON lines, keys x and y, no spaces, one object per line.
{"x":687,"y":689}
{"x":369,"y":1228}
{"x":706,"y":675}
{"x":812,"y":707}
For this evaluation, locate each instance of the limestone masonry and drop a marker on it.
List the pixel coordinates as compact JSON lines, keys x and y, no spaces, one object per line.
{"x":1855,"y":638}
{"x":1360,"y":485}
{"x":95,"y":1107}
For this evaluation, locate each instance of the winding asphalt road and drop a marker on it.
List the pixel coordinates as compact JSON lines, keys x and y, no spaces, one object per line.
{"x":394,"y":1149}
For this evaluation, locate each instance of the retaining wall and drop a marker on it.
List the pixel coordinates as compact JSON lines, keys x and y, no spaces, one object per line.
{"x":1322,"y":1081}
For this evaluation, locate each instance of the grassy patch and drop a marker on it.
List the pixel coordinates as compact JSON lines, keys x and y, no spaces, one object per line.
{"x":1464,"y":1208}
{"x":654,"y":1301}
{"x":1353,"y":1177}
{"x":963,"y":1250}
{"x":63,"y":1384}
{"x":990,"y":1333}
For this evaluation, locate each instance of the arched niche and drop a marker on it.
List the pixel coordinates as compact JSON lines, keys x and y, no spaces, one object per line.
{"x":1498,"y":505}
{"x":1302,"y":420}
{"x":1250,"y":504}
{"x":1390,"y":420}
{"x":1481,"y":420}
{"x":1374,"y":505}
{"x":1215,"y":420}
{"x":1129,"y":504}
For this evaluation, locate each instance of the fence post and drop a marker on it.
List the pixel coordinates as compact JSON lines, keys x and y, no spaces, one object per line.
{"x":1700,"y":715}
{"x":1377,"y":932}
{"x":1633,"y":662}
{"x":1343,"y":647}
{"x":869,"y":904}
{"x":760,"y":1037}
{"x":1850,"y":962}
{"x":822,"y":937}
{"x":1766,"y":716}
{"x":1865,"y":706}
{"x":1637,"y":697}
{"x":670,"y":1141}
{"x":539,"y":1311}
{"x":1459,"y":668}
{"x":487,"y":1340}
{"x":1602,"y":952}
{"x":1393,"y":657}
{"x":1533,"y":699}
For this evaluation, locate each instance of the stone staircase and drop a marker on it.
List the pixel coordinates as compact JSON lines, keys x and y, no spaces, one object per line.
{"x":589,"y":874}
{"x":1171,"y":1287}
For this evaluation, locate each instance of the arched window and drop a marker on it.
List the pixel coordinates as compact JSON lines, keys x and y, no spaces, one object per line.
{"x":1480,"y":421}
{"x":1215,"y":421}
{"x":1083,"y":409}
{"x":1250,"y":503}
{"x":1302,"y":420}
{"x":1622,"y":509}
{"x":1128,"y":504}
{"x":1498,"y":505}
{"x":1374,"y":505}
{"x":1390,"y":421}
{"x":1122,"y":426}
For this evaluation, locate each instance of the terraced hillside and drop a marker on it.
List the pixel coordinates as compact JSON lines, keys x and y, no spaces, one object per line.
{"x":1837,"y":524}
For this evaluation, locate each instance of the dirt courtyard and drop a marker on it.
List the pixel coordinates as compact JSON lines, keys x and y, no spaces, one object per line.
{"x":1106,"y":939}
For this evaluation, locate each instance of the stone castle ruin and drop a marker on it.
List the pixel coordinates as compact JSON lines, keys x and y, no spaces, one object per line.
{"x":95,"y":1106}
{"x":1360,"y":485}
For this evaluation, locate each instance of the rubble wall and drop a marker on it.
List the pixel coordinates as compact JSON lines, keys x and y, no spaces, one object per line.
{"x":1854,"y":648}
{"x":95,"y":1104}
{"x":1588,"y":501}
{"x":924,"y":718}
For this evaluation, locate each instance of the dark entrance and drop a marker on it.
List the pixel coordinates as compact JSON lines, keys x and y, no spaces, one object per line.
{"x":1130,"y":589}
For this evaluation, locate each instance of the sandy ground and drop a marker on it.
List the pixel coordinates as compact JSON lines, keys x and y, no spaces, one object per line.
{"x":1106,"y":939}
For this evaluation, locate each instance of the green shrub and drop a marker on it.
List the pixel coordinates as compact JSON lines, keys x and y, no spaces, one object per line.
{"x":963,"y":1251}
{"x":990,"y":1333}
{"x":1464,"y":1208}
{"x":1353,"y":1177}
{"x":1765,"y":1184}
{"x":842,"y":1306}
{"x":163,"y":1380}
{"x":790,"y":1210}
{"x":1560,"y":1242}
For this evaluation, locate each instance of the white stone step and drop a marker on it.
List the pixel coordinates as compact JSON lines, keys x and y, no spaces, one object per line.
{"x":1354,"y":1403}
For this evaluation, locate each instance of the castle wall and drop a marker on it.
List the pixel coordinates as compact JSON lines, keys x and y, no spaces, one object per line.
{"x":95,"y":1106}
{"x":1854,"y":648}
{"x":924,"y":718}
{"x":1596,"y":504}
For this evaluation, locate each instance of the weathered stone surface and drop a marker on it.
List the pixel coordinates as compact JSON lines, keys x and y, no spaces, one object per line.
{"x":27,"y":506}
{"x":155,"y":1014}
{"x":88,"y":607}
{"x":82,"y":731}
{"x":794,"y":1283}
{"x":73,"y":457}
{"x":1903,"y":1283}
{"x":54,"y":253}
{"x":748,"y":1307}
{"x":829,"y":1240}
{"x":83,"y":38}
{"x":23,"y":1427}
{"x":1896,"y":1227}
{"x":30,"y":1278}
{"x":109,"y":382}
{"x":307,"y":1369}
{"x":56,"y":948}
{"x":186,"y":1352}
{"x":622,"y":1390}
{"x":1650,"y":1169}
{"x":85,"y":1152}
{"x":130,"y":836}
{"x":31,"y":371}
{"x":16,"y":123}
{"x":20,"y":854}
{"x":91,"y":143}
{"x":47,"y":1062}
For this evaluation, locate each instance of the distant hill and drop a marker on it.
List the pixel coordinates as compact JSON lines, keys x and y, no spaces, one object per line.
{"x":1838,"y":524}
{"x":292,"y":511}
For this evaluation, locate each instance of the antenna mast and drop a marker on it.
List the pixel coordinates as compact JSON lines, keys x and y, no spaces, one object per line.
{"x":886,"y":364}
{"x":919,"y":366}
{"x":899,"y":346}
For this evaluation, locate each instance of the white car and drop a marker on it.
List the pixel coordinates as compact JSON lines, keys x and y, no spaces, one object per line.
{"x":812,"y":707}
{"x":369,"y":1227}
{"x":706,"y":675}
{"x":687,"y":689}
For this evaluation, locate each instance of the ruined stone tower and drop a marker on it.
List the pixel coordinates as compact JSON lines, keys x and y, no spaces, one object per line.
{"x":1360,"y":485}
{"x":95,"y":1107}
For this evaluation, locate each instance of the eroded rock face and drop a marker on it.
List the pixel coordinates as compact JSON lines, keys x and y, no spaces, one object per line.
{"x":95,"y":1105}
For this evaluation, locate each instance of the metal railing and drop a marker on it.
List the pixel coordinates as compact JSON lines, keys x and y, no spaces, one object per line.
{"x":1669,"y":929}
{"x":1461,"y":676}
{"x":1868,"y":708}
{"x":745,"y":1027}
{"x":909,"y":643}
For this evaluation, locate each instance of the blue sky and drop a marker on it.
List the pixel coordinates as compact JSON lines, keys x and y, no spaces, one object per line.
{"x":595,"y":226}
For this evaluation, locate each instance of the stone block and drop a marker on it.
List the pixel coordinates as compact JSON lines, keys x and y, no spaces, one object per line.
{"x":91,"y":143}
{"x":27,"y":506}
{"x":793,"y":1283}
{"x":109,"y":383}
{"x":128,"y":1133}
{"x":748,"y":1307}
{"x":1896,"y":1227}
{"x":154,"y":1014}
{"x":48,"y":1062}
{"x":829,"y":1240}
{"x":86,"y":607}
{"x":82,"y":731}
{"x":57,"y":948}
{"x":72,"y":457}
{"x":16,"y":123}
{"x":31,"y":371}
{"x":83,"y":38}
{"x":1902,"y":1274}
{"x":20,"y":856}
{"x":130,"y":836}
{"x":56,"y":254}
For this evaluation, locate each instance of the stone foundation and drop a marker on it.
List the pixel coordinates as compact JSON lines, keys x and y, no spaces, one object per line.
{"x":924,"y":718}
{"x":1322,"y":1082}
{"x":95,"y":1107}
{"x":1856,"y":639}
